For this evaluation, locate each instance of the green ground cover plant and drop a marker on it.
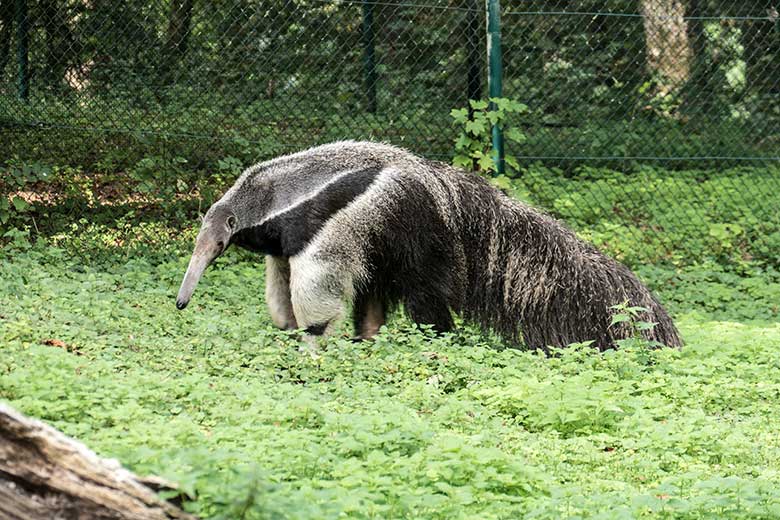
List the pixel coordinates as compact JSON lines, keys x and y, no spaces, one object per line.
{"x":407,"y":426}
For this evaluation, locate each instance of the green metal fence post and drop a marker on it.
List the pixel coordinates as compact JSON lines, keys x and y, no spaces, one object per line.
{"x":22,"y":49}
{"x":495,"y":74}
{"x":369,"y":65}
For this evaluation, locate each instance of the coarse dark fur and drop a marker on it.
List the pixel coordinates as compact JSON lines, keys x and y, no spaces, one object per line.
{"x":382,"y":227}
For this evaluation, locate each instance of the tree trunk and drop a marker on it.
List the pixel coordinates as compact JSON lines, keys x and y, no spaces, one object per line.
{"x":761,"y":39}
{"x":698,"y":93}
{"x":176,"y":42}
{"x":45,"y":475}
{"x":60,"y":43}
{"x":6,"y":29}
{"x":669,"y":53}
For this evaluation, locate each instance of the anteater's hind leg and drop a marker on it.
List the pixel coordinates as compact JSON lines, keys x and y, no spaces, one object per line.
{"x":277,"y":292}
{"x":368,"y":315}
{"x":426,"y":308}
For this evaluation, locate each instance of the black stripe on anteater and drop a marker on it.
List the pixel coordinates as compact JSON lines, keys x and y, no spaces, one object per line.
{"x":288,"y":233}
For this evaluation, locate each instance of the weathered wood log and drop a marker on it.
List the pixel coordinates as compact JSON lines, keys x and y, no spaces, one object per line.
{"x":46,"y":475}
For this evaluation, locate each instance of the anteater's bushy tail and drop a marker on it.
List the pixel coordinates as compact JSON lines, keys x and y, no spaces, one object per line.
{"x":538,"y":280}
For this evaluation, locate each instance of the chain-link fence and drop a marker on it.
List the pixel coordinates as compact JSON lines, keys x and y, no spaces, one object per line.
{"x":680,"y":96}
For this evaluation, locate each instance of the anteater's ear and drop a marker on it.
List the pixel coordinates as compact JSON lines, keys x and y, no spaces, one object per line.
{"x":232,"y":223}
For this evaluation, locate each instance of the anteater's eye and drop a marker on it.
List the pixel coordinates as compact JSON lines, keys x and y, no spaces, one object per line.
{"x":221,"y":245}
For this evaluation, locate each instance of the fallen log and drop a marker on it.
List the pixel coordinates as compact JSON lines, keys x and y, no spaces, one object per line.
{"x":48,"y":476}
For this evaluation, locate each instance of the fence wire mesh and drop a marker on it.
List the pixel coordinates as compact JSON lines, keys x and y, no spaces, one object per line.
{"x":657,"y":120}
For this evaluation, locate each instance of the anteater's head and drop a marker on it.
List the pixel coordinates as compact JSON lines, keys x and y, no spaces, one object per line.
{"x":219,"y":225}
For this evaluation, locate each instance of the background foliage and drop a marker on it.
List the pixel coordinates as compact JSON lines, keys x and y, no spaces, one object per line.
{"x":146,"y":105}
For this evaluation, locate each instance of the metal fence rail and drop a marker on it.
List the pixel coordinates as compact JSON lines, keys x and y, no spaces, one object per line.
{"x":103,"y":86}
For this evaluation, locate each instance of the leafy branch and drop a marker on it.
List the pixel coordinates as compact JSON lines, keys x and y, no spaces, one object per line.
{"x":473,"y":145}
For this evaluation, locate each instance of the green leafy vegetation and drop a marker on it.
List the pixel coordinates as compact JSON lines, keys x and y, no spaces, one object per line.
{"x":407,"y":426}
{"x":473,"y":145}
{"x":18,"y":178}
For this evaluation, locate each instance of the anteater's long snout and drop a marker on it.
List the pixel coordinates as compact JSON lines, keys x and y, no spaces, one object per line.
{"x":200,"y":260}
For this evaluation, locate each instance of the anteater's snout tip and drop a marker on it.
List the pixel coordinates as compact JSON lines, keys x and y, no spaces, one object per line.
{"x":180,"y":305}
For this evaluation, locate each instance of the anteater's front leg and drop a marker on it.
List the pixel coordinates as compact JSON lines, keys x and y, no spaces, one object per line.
{"x":319,"y":290}
{"x":277,"y":292}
